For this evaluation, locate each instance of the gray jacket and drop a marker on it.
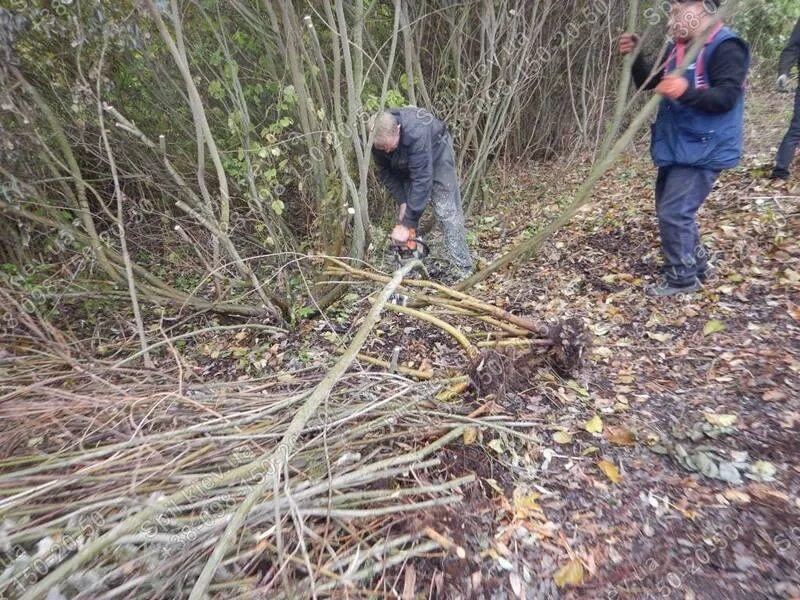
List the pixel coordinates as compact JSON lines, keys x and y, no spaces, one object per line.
{"x":407,"y":172}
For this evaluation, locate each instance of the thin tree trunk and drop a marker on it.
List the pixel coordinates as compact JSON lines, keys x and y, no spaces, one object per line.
{"x":126,"y":258}
{"x":83,"y":209}
{"x":195,"y":103}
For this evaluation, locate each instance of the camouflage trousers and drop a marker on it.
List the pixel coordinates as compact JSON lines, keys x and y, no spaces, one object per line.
{"x":446,"y":204}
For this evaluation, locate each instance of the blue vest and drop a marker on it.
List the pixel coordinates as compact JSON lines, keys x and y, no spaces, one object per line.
{"x":687,"y":136}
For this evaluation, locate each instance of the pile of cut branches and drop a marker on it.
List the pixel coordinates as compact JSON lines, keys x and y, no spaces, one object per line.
{"x":117,"y":481}
{"x":122,"y":481}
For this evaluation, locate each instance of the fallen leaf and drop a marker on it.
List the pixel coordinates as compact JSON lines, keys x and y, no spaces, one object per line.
{"x":426,"y":366}
{"x":705,"y":464}
{"x":497,"y":446}
{"x":606,"y":352}
{"x":562,"y":437}
{"x":794,"y":311}
{"x":573,"y":385}
{"x":495,"y":486}
{"x":525,"y":503}
{"x":736,"y":497}
{"x":729,"y":473}
{"x":516,"y":583}
{"x":788,"y":420}
{"x":792,"y":276}
{"x":774,"y":396}
{"x":601,"y":328}
{"x":610,"y":470}
{"x":620,"y":437}
{"x":763,"y":492}
{"x":721,"y":420}
{"x":762,"y":470}
{"x":660,"y":337}
{"x":470,"y":435}
{"x":570,"y":574}
{"x":409,"y":582}
{"x":714,"y":326}
{"x":594,"y":425}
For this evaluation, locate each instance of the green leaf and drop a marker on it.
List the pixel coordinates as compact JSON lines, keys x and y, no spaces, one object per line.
{"x":714,"y":326}
{"x":231,"y":69}
{"x":289,"y":95}
{"x":215,"y":90}
{"x":278,"y":206}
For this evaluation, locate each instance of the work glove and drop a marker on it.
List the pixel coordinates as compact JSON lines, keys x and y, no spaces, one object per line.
{"x":672,"y":86}
{"x":627,"y":43}
{"x":783,"y":83}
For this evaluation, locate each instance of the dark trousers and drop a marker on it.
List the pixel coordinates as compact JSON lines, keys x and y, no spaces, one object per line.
{"x":680,"y":191}
{"x":783,"y":161}
{"x":446,"y":202}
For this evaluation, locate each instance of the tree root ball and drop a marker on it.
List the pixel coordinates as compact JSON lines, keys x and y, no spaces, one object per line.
{"x":572,"y":342}
{"x":499,"y":372}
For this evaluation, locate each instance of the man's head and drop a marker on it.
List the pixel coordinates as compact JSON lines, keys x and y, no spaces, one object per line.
{"x":387,"y":131}
{"x":689,"y":18}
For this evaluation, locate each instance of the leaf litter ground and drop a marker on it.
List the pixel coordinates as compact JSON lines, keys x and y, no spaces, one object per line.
{"x":666,"y":467}
{"x":692,"y":487}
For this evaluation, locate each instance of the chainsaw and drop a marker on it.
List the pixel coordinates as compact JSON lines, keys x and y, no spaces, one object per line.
{"x":412,"y":249}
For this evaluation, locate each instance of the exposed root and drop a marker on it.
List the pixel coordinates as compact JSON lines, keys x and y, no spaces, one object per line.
{"x":509,"y":370}
{"x":571,"y":344}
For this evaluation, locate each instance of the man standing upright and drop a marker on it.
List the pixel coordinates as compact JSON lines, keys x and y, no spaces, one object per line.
{"x":697,"y":133}
{"x":789,"y":58}
{"x":414,"y":156}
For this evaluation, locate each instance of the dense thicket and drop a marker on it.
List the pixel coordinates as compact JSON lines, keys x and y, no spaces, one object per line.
{"x":235,"y":130}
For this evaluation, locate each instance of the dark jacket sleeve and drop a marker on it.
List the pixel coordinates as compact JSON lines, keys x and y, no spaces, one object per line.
{"x":641,"y":71}
{"x":790,"y":54}
{"x":420,"y":167}
{"x":388,"y":178}
{"x":727,"y":71}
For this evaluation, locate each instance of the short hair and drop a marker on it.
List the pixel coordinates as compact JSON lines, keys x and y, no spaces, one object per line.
{"x":384,"y":125}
